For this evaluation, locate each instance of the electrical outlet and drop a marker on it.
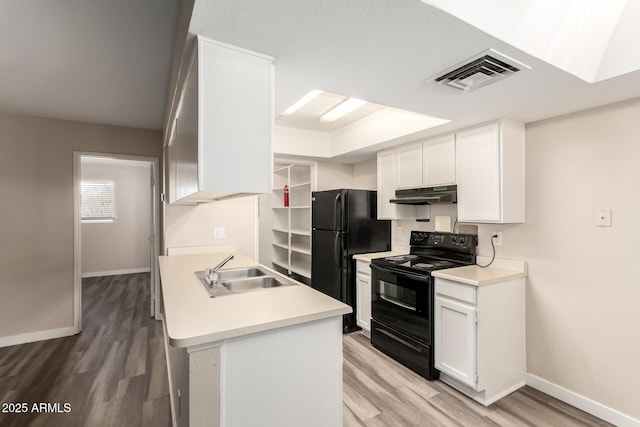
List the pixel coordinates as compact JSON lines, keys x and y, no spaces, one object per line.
{"x":497,"y":241}
{"x":219,"y":232}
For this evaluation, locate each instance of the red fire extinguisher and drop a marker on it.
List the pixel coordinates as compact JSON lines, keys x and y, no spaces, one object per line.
{"x":286,"y":196}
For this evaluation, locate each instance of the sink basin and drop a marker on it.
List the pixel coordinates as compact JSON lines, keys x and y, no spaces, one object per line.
{"x":238,"y":280}
{"x":251,"y":284}
{"x":239,"y":273}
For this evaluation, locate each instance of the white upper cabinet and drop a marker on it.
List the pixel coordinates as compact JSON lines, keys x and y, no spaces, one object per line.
{"x":222,"y":141}
{"x":409,"y":165}
{"x":439,"y":161}
{"x":490,"y":173}
{"x":387,"y":186}
{"x":426,"y":164}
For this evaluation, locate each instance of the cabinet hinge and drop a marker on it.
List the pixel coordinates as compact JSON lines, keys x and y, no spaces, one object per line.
{"x":162,"y":197}
{"x":475,"y":378}
{"x":475,"y":317}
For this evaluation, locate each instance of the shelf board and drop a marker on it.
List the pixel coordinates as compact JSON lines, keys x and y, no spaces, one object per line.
{"x":280,"y":169}
{"x":280,"y":230}
{"x":299,"y":185}
{"x":280,"y":245}
{"x":300,"y":207}
{"x":301,"y":269}
{"x":280,"y":264}
{"x":300,"y":250}
{"x":300,"y":232}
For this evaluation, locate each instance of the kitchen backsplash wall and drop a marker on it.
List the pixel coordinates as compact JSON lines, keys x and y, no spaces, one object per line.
{"x":186,"y":225}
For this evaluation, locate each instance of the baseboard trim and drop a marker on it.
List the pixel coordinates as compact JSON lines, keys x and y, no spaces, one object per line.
{"x":37,"y":336}
{"x":581,"y":402}
{"x":116,"y":272}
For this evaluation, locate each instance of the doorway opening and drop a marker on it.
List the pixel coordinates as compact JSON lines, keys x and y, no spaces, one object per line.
{"x":116,"y":211}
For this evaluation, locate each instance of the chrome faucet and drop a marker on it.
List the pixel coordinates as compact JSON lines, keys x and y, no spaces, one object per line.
{"x":211,"y":274}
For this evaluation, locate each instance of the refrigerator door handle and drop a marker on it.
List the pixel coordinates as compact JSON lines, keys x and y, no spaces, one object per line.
{"x":336,"y":212}
{"x":336,"y":249}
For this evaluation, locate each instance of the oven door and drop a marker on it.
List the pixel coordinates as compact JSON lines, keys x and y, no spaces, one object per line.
{"x":403,"y":301}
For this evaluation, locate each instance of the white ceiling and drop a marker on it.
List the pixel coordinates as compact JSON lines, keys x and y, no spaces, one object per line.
{"x":108,"y":61}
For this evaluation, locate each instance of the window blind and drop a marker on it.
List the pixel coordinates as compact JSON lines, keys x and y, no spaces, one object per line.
{"x":97,"y":201}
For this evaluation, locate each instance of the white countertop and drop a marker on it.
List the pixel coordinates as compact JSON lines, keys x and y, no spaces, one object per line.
{"x":498,"y":271}
{"x":193,"y":318}
{"x":373,"y":255}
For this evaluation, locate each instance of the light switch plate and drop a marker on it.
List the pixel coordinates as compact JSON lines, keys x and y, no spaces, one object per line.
{"x":602,"y":217}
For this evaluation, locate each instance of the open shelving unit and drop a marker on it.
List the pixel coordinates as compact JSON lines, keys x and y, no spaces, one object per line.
{"x":291,"y":225}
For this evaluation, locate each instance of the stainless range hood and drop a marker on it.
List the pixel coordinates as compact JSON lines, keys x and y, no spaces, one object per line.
{"x":426,"y":195}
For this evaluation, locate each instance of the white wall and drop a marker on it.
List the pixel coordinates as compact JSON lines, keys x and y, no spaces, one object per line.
{"x":583,"y":320}
{"x":365,"y":175}
{"x":333,"y":175}
{"x":120,"y":246}
{"x":192,"y":225}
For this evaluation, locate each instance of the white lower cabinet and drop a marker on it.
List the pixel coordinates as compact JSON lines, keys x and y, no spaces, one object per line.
{"x":479,"y":337}
{"x":456,"y":347}
{"x":363,"y":296}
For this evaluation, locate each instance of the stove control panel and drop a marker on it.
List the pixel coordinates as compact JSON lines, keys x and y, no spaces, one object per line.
{"x":445,"y":240}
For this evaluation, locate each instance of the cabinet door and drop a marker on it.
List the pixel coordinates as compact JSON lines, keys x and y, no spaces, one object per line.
{"x":478,"y":174}
{"x":409,"y":165}
{"x":387,"y":189}
{"x":363,"y":300}
{"x":456,"y":340}
{"x":439,"y":161}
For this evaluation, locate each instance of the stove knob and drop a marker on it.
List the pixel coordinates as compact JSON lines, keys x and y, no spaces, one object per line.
{"x":454,"y":239}
{"x":462,"y":240}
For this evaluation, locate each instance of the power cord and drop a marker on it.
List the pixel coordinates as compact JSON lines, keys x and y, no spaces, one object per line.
{"x":495,"y":236}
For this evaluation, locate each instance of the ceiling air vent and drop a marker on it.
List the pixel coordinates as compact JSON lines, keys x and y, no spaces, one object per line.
{"x":480,"y":70}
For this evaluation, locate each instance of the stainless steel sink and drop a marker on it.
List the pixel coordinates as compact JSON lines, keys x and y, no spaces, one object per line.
{"x":252,"y":284}
{"x":239,"y":273}
{"x":238,"y":280}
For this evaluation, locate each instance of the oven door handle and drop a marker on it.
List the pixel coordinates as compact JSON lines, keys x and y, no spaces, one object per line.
{"x":400,"y":273}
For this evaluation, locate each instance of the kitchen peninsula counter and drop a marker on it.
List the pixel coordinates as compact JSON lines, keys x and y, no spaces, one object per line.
{"x":271,"y":356}
{"x":193,"y":318}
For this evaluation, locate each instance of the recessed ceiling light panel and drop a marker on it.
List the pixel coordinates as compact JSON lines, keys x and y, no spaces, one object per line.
{"x":302,"y":102}
{"x":342,"y":109}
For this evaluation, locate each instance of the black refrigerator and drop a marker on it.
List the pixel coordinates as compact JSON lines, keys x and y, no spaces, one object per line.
{"x":343,"y":224}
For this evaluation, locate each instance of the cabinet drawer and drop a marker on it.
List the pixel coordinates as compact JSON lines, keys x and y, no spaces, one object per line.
{"x":363,"y":267}
{"x":455,"y":290}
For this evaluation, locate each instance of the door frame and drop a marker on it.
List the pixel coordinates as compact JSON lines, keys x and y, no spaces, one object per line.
{"x":77,"y":231}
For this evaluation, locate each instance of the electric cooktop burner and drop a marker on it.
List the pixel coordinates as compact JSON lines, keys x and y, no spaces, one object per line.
{"x":431,"y":251}
{"x":401,"y":258}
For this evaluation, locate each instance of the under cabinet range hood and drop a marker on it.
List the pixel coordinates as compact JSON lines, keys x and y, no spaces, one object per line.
{"x":426,"y":195}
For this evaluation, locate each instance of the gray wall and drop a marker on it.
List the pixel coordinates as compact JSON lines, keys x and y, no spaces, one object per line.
{"x":36,"y":227}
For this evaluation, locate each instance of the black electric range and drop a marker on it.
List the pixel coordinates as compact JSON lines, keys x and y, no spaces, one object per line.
{"x":402,"y":295}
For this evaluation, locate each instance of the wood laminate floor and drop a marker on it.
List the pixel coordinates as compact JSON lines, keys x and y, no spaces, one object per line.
{"x":378,"y":391}
{"x":114,"y":374}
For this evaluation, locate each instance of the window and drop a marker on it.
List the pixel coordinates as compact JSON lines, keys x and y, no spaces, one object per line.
{"x":97,"y":201}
